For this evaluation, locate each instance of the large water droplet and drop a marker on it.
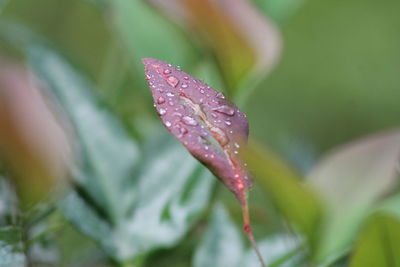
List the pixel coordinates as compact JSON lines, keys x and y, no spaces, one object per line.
{"x":168,"y":124}
{"x":189,"y":121}
{"x":224,"y":109}
{"x":220,"y":135}
{"x":220,"y":95}
{"x":160,"y":100}
{"x":177,"y":114}
{"x":173,"y":81}
{"x":162,"y":111}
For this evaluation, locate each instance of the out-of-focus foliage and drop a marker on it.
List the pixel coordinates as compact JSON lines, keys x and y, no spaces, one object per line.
{"x":30,"y":136}
{"x":378,"y":243}
{"x":11,"y":247}
{"x":310,"y":75}
{"x":351,"y":180}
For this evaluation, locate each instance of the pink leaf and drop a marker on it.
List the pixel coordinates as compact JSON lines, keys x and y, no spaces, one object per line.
{"x":206,"y":123}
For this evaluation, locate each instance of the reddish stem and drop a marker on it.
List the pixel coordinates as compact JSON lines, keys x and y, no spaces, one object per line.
{"x":248,"y":231}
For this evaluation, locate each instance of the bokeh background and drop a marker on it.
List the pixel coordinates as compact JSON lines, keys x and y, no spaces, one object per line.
{"x":86,"y":176}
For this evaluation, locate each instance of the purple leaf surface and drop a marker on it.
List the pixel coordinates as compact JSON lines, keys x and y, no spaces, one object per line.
{"x":206,"y":123}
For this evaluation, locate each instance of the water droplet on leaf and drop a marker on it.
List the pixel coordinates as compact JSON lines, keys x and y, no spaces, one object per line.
{"x":160,"y":100}
{"x":189,"y":121}
{"x":172,"y":80}
{"x":220,"y":95}
{"x":224,"y":109}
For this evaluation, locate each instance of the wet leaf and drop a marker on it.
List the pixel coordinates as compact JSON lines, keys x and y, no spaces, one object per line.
{"x":11,"y":247}
{"x":351,"y":180}
{"x":201,"y":118}
{"x":378,"y":243}
{"x":206,"y":123}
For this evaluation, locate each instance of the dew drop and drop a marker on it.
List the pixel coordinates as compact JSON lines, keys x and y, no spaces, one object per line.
{"x":236,"y":152}
{"x":168,"y":124}
{"x":224,"y":109}
{"x":220,"y":95}
{"x":186,"y":78}
{"x":160,"y":100}
{"x":184,"y":85}
{"x":171,"y":103}
{"x":202,"y":91}
{"x":177,"y":114}
{"x":169,"y":94}
{"x":147,"y":77}
{"x":173,"y":81}
{"x":236,"y":145}
{"x":206,"y":147}
{"x":229,"y":123}
{"x":162,"y":111}
{"x":189,"y":121}
{"x":214,"y":115}
{"x":167,"y":71}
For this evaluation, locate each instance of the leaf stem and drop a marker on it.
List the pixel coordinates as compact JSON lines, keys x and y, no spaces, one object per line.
{"x":249,"y":233}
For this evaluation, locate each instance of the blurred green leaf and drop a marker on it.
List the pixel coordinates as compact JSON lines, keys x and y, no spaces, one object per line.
{"x":173,"y":190}
{"x":8,"y":202}
{"x":11,"y":247}
{"x":147,"y":34}
{"x":295,"y":201}
{"x":222,"y":244}
{"x":116,"y":201}
{"x":109,"y":155}
{"x":350,"y":180}
{"x":391,"y":205}
{"x":279,"y":10}
{"x":278,"y":250}
{"x":378,"y":244}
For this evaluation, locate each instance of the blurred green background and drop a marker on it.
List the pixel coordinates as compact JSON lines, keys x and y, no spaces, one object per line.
{"x":310,"y":75}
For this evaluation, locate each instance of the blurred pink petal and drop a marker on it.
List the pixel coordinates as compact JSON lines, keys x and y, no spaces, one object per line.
{"x":32,"y":140}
